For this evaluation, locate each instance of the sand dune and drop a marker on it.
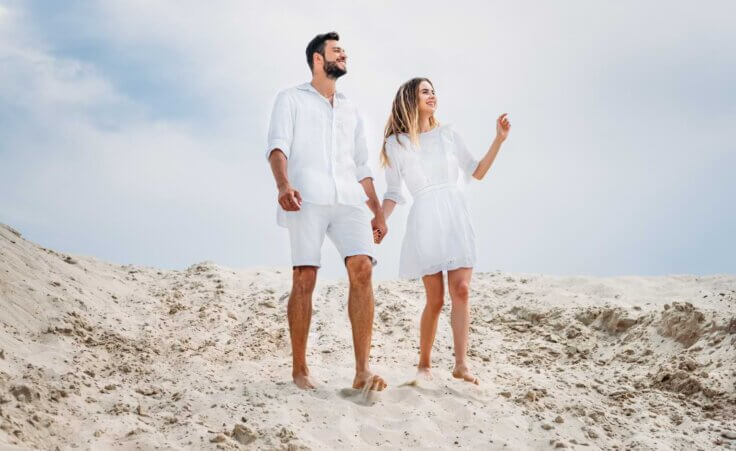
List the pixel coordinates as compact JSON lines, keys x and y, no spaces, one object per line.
{"x":97,"y":355}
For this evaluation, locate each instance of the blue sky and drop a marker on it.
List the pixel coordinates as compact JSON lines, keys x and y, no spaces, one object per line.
{"x":134,"y":131}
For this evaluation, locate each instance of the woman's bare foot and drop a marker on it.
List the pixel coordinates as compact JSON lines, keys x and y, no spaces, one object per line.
{"x":302,"y":380}
{"x":462,"y":371}
{"x":424,"y":373}
{"x":369,"y":380}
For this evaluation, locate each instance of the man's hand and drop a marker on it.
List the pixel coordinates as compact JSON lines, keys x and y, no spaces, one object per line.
{"x":378,"y":223}
{"x":289,"y":198}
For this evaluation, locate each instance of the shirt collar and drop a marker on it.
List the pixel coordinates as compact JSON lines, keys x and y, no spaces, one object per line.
{"x":308,"y":87}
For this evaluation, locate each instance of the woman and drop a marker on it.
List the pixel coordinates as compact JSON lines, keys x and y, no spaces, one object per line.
{"x":439,"y":236}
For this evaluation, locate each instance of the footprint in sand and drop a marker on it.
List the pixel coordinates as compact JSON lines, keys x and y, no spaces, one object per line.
{"x":423,"y":382}
{"x":360,"y":396}
{"x":411,"y":392}
{"x":415,"y":392}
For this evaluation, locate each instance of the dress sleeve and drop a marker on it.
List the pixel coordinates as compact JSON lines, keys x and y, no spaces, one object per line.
{"x":465,"y":159}
{"x":362,"y":169}
{"x":281,"y":128}
{"x":393,"y":177}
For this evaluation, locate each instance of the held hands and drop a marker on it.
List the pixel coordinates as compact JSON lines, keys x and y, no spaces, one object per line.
{"x":503,"y":127}
{"x":380,"y":230}
{"x":289,"y":198}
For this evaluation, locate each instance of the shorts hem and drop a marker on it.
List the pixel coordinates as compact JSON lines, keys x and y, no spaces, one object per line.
{"x":374,"y":262}
{"x":295,"y":264}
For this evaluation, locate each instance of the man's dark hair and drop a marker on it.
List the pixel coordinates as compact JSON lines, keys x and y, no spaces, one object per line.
{"x":317,"y":45}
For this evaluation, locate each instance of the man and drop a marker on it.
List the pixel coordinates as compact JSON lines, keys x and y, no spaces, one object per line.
{"x":319,"y":157}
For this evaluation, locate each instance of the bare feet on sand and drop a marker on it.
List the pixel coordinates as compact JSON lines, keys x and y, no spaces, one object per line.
{"x":424,"y":373}
{"x":369,"y":380}
{"x":462,"y":371}
{"x":302,"y":380}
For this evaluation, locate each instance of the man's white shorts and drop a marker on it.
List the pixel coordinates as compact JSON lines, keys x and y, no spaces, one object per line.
{"x":348,"y":226}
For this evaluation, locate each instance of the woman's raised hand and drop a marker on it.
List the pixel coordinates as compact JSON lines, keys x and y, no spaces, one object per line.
{"x":503,"y":127}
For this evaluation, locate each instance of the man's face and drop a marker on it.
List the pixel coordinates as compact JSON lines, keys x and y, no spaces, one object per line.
{"x":335,"y":60}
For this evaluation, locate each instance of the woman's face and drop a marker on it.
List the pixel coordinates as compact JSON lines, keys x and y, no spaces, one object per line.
{"x":426,"y":98}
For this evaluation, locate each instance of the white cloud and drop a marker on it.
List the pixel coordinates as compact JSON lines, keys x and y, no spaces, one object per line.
{"x":611,"y":138}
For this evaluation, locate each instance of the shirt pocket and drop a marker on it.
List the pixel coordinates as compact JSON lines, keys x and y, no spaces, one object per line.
{"x":311,"y":128}
{"x":345,"y":129}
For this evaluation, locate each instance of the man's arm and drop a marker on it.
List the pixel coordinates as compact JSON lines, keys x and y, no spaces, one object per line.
{"x":280,"y":137}
{"x":289,"y":198}
{"x":365,"y":178}
{"x":372,"y":201}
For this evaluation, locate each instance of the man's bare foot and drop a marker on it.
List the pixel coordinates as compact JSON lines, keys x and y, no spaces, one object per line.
{"x":463,"y":372}
{"x":424,"y":373}
{"x":302,"y":380}
{"x":368,"y":380}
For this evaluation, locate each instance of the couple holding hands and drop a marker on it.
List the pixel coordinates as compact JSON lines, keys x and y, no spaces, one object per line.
{"x":319,"y":157}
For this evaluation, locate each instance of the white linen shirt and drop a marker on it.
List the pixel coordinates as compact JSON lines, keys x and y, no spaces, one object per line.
{"x":325,"y":145}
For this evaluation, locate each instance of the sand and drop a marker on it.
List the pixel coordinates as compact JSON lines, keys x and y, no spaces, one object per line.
{"x":96,"y":355}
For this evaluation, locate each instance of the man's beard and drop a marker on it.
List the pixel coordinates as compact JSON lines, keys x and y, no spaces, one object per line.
{"x":333,"y":71}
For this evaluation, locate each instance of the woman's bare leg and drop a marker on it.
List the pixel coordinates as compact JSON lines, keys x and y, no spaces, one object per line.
{"x":458,"y":282}
{"x":435,"y":289}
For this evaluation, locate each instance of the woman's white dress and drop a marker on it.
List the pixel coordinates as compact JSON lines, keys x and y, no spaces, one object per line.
{"x":439,"y":233}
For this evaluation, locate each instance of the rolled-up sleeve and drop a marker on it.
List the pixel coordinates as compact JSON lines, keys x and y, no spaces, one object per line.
{"x":465,"y":159}
{"x":362,"y":168}
{"x":281,"y":129}
{"x":393,"y":178}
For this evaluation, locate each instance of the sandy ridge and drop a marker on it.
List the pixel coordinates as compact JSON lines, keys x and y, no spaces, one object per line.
{"x":97,"y":355}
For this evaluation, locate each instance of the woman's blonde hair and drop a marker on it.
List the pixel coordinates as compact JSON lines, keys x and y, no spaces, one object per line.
{"x":404,"y":116}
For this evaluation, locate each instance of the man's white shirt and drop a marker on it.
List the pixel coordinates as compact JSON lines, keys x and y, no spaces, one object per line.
{"x":325,"y":145}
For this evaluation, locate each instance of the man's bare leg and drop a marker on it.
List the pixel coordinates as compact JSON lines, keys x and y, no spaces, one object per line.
{"x":299,"y":312}
{"x":435,"y":290}
{"x":458,"y":282}
{"x":360,"y":310}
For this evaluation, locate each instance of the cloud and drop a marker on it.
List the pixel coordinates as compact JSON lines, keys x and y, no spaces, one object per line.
{"x":134,"y":130}
{"x":84,"y":161}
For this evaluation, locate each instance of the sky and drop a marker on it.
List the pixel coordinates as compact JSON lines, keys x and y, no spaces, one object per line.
{"x":134,"y":131}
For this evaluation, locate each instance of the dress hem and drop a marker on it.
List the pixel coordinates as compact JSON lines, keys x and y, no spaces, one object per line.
{"x":437,"y":268}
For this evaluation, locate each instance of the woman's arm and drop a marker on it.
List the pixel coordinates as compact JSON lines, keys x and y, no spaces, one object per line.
{"x":393,"y":194}
{"x":503,"y":126}
{"x":388,"y":207}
